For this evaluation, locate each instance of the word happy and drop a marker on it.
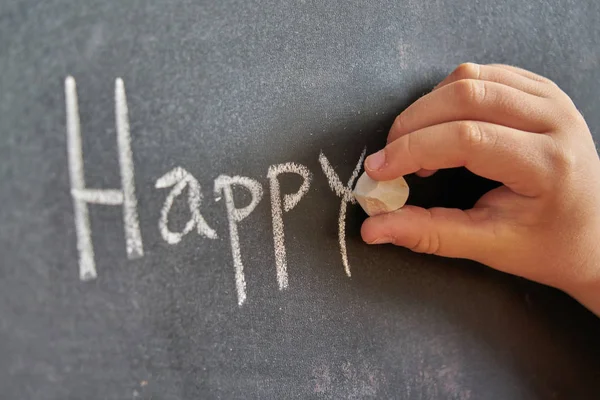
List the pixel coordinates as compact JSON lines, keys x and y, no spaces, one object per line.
{"x":178,"y":180}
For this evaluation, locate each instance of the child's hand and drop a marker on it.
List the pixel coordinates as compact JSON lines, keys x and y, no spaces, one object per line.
{"x":518,"y":128}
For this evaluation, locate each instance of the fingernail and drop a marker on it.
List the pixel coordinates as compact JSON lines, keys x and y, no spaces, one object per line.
{"x":375,"y":161}
{"x":381,"y":240}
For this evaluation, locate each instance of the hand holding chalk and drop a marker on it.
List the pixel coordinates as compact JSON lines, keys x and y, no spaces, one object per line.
{"x":380,"y":197}
{"x":514,"y":127}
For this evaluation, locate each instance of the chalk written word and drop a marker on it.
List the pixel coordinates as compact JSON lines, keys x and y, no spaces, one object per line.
{"x":178,"y":180}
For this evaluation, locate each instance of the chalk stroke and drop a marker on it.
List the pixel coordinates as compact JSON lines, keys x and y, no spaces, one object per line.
{"x":106,"y":197}
{"x":224,"y":184}
{"x":345,"y":193}
{"x":82,"y":196}
{"x":133,"y":237}
{"x":289,"y":202}
{"x":87,"y":267}
{"x":181,"y":179}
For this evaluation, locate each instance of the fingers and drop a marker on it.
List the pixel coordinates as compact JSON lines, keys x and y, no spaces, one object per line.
{"x":495,"y":73}
{"x":535,"y":117}
{"x":523,"y":72}
{"x":517,"y":78}
{"x":549,"y":88}
{"x":520,"y":160}
{"x":470,"y":99}
{"x":441,"y":231}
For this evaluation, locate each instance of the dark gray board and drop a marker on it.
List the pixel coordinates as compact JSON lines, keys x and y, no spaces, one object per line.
{"x":232,"y":87}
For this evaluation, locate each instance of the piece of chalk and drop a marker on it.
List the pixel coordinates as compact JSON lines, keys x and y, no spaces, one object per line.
{"x":380,"y":197}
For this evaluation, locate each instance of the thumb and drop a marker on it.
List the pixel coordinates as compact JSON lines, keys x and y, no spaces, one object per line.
{"x":447,"y":232}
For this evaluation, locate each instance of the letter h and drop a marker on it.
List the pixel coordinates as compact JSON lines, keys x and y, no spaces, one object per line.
{"x":82,"y":195}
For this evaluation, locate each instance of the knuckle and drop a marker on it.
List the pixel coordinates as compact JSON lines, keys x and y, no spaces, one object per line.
{"x":471,"y":91}
{"x":395,"y":131}
{"x":556,"y":168}
{"x":470,"y":135}
{"x":552,"y":85}
{"x":429,"y":241}
{"x":534,"y":76}
{"x":569,"y":120}
{"x":545,"y":81}
{"x":467,"y":71}
{"x":427,"y":244}
{"x":570,"y":117}
{"x":552,"y":90}
{"x":399,"y":125}
{"x":561,"y":158}
{"x":399,"y":120}
{"x":418,"y":246}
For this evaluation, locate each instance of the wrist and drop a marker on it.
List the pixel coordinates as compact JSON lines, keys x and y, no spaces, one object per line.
{"x":584,"y":285}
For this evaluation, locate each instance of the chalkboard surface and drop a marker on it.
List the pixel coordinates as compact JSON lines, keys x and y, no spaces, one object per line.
{"x":169,"y":227}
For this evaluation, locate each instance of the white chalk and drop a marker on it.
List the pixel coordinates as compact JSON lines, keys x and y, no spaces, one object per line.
{"x":347,"y":197}
{"x":380,"y":197}
{"x":82,"y":195}
{"x":108,"y":197}
{"x":87,"y":265}
{"x":224,"y":184}
{"x":179,"y":178}
{"x":289,"y":202}
{"x":133,"y":237}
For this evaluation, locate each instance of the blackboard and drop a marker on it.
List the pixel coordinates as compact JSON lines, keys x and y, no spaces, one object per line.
{"x":181,"y":97}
